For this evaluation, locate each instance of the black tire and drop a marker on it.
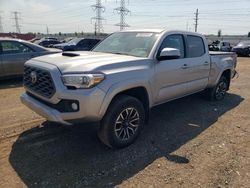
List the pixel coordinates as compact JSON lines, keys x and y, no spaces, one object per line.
{"x":118,"y":120}
{"x":218,"y":92}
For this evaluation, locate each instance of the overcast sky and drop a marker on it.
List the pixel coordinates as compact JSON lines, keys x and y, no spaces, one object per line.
{"x":231,"y":16}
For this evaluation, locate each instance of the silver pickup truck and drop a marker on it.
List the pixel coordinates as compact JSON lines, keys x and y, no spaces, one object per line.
{"x":122,"y":78}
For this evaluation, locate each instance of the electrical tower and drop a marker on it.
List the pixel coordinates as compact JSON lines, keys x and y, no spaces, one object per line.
{"x":1,"y":23}
{"x":16,"y":18}
{"x":123,"y":11}
{"x":196,"y":19}
{"x":99,"y":9}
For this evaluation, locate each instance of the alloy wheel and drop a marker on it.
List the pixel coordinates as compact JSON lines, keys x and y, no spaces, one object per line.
{"x":127,"y":123}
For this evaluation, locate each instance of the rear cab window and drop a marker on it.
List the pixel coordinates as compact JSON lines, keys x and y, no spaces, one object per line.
{"x":195,"y":46}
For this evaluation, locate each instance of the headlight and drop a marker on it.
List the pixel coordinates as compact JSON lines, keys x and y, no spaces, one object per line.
{"x":82,"y":80}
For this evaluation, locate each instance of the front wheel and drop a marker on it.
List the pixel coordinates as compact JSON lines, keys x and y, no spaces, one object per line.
{"x":218,"y":92}
{"x":122,"y":122}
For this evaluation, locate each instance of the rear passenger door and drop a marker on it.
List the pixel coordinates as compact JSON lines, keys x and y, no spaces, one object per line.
{"x":198,"y":63}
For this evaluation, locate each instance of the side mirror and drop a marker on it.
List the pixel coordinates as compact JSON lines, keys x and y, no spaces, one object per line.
{"x":169,"y":53}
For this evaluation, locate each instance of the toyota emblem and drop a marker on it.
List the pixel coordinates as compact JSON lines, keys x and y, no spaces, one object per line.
{"x":33,"y":77}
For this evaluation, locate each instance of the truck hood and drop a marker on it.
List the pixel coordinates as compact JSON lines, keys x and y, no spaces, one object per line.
{"x":90,"y":61}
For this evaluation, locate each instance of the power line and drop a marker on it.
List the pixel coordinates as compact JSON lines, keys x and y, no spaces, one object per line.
{"x":99,"y":9}
{"x":196,"y":19}
{"x":123,"y":11}
{"x":16,"y":18}
{"x":1,"y":25}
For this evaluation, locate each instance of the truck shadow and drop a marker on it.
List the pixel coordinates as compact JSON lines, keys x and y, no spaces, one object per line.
{"x":62,"y":156}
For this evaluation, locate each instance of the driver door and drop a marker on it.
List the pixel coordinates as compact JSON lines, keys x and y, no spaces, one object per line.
{"x":171,"y":75}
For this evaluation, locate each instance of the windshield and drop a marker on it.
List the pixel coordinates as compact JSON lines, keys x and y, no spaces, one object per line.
{"x":137,"y":44}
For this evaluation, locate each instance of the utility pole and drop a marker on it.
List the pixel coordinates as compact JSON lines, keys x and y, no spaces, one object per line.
{"x":47,"y":30}
{"x":196,"y":19}
{"x":1,"y":24}
{"x":16,"y":18}
{"x":123,"y":11}
{"x":99,"y":9}
{"x":95,"y":29}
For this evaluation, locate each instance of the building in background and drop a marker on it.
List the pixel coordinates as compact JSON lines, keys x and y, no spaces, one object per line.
{"x":27,"y":36}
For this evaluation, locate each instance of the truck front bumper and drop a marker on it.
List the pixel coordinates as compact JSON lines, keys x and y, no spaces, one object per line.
{"x":43,"y":110}
{"x":88,"y":110}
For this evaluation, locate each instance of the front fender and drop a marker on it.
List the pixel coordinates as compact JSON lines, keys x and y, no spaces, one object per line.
{"x":121,"y":86}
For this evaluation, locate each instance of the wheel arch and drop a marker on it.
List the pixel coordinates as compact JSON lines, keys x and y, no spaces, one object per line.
{"x":139,"y":91}
{"x":227,"y":74}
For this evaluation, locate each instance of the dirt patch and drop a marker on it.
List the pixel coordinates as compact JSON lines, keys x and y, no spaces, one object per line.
{"x":188,"y":143}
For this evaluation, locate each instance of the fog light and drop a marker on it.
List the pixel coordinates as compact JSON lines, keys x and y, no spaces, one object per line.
{"x":74,"y":106}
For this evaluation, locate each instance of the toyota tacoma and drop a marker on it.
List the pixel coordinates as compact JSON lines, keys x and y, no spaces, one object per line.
{"x":122,"y":78}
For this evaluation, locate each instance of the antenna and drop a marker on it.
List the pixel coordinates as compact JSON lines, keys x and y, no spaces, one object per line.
{"x":196,"y":19}
{"x":1,"y":23}
{"x":99,"y":9}
{"x":123,"y":11}
{"x":16,"y":18}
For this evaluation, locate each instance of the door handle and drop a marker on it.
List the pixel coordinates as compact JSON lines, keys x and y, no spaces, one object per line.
{"x":185,"y":66}
{"x":206,"y":63}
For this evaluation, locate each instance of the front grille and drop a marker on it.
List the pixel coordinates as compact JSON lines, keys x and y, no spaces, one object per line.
{"x":38,"y":81}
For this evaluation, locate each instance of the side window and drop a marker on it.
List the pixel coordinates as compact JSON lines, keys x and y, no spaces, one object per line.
{"x":94,"y":42}
{"x":196,"y":47}
{"x":173,"y":41}
{"x":10,"y":47}
{"x":91,"y":43}
{"x":84,"y":43}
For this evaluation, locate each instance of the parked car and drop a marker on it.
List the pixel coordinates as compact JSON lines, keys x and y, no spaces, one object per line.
{"x":224,"y":46}
{"x":14,"y":53}
{"x":123,"y":77}
{"x":220,"y":46}
{"x":77,"y":44}
{"x":48,"y":43}
{"x":242,"y":49}
{"x":34,"y":40}
{"x":49,"y":38}
{"x":66,"y":40}
{"x":214,"y":46}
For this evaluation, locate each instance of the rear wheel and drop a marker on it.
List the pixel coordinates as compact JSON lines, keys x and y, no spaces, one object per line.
{"x":218,"y":92}
{"x":122,"y":122}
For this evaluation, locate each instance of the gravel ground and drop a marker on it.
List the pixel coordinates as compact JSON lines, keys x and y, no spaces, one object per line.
{"x":189,"y":142}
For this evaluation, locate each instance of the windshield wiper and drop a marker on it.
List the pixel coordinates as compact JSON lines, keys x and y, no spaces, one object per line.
{"x":119,"y":53}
